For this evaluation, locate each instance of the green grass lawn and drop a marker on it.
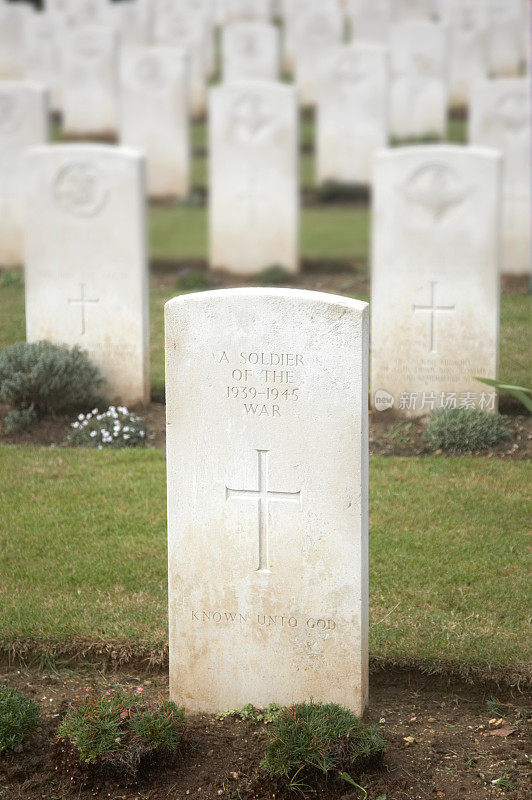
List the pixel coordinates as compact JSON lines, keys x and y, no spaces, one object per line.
{"x":83,"y":543}
{"x":515,"y":323}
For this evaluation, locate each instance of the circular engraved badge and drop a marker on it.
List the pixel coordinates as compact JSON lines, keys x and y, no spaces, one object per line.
{"x":80,"y":190}
{"x":148,"y":72}
{"x":10,"y":113}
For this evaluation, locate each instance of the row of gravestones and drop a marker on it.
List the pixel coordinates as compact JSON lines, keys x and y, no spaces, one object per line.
{"x":253,"y":196}
{"x":77,"y":53}
{"x":435,"y":275}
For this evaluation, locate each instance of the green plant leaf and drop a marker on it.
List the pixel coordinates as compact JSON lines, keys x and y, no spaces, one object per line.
{"x":521,"y":393}
{"x":348,"y":779}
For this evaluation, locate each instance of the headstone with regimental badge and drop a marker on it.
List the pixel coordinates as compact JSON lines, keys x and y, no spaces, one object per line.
{"x":154,"y":116}
{"x":90,"y":82}
{"x":419,"y":60}
{"x":86,"y":264}
{"x":500,"y":118}
{"x":435,"y":278}
{"x":250,"y":50}
{"x":268,"y":514}
{"x":23,"y":123}
{"x":253,"y":188}
{"x":352,"y":112}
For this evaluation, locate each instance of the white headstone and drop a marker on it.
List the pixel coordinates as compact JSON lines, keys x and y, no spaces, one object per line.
{"x":435,"y":278}
{"x":352,"y":112}
{"x":250,"y":50}
{"x":23,"y":123}
{"x":419,"y":64}
{"x":253,"y":188}
{"x":506,"y":21}
{"x":154,"y":115}
{"x":370,"y":22}
{"x":130,"y":18}
{"x":411,"y":9}
{"x":42,"y":54}
{"x":86,"y":265}
{"x":468,"y":46}
{"x":90,"y":82}
{"x":315,"y":32}
{"x":247,"y":9}
{"x":191,"y":31}
{"x":500,"y":117}
{"x":268,"y":513}
{"x":13,"y":18}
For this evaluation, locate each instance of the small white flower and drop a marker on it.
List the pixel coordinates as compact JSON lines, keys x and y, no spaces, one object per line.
{"x":99,"y":447}
{"x":142,"y":434}
{"x":93,"y":434}
{"x":126,"y":436}
{"x":94,"y":410}
{"x":80,"y":417}
{"x":126,"y":429}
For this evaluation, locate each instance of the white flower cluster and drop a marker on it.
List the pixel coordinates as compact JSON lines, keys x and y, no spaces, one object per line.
{"x":117,"y":425}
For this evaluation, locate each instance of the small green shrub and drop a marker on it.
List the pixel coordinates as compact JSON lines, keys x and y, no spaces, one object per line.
{"x":465,"y":430}
{"x":116,"y":427}
{"x":275,"y":276}
{"x":18,"y":717}
{"x":48,"y":378}
{"x":252,"y":714}
{"x":120,"y":732}
{"x":192,"y":280}
{"x":12,"y":279}
{"x":313,"y":739}
{"x":19,"y":420}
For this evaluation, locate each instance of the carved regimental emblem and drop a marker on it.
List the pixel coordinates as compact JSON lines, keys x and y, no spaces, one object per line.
{"x":348,"y":71}
{"x":251,"y":118}
{"x":79,"y":189}
{"x":437,"y":189}
{"x":10,"y":113}
{"x":511,"y":111}
{"x":148,"y":72}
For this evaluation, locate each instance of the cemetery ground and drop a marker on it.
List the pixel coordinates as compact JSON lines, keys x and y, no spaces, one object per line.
{"x":83,"y":584}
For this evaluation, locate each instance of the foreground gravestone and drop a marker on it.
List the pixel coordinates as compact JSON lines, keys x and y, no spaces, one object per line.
{"x":90,"y":82}
{"x":435,"y":278}
{"x":419,"y":61}
{"x":250,"y":50}
{"x":86,"y":266}
{"x":267,"y":515}
{"x":23,"y":123}
{"x":253,"y":197}
{"x":500,"y":118}
{"x":352,"y":112}
{"x":154,"y":116}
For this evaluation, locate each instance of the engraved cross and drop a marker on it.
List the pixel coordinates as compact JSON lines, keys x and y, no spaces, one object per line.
{"x":82,"y":300}
{"x":250,"y":196}
{"x":263,"y":496}
{"x":433,"y":309}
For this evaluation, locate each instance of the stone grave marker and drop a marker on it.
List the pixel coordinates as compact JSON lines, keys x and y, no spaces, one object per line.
{"x":352,"y":112}
{"x":86,"y":264}
{"x":154,"y":116}
{"x":370,"y":22}
{"x":500,"y":118}
{"x":23,"y":123}
{"x":253,"y":197}
{"x":315,"y":32}
{"x":277,"y":490}
{"x":411,"y":9}
{"x":419,"y":63}
{"x":435,"y":278}
{"x":13,"y":19}
{"x":90,"y":82}
{"x":505,"y":20}
{"x":467,"y":22}
{"x":236,"y":10}
{"x":250,"y":50}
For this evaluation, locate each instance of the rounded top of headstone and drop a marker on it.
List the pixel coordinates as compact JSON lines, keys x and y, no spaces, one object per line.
{"x":425,"y":151}
{"x":257,"y":293}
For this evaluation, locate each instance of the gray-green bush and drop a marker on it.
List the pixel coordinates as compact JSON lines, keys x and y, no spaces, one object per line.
{"x":465,"y":430}
{"x":18,"y":717}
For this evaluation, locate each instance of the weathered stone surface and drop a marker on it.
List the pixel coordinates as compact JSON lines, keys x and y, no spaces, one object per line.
{"x":86,"y":265}
{"x":253,"y":187}
{"x":435,"y":278}
{"x":315,"y":31}
{"x":419,"y":64}
{"x":154,"y":115}
{"x":90,"y":82}
{"x":250,"y":50}
{"x":267,"y":514}
{"x":467,"y":22}
{"x":500,"y":118}
{"x":23,"y":123}
{"x":352,"y":112}
{"x":370,"y":22}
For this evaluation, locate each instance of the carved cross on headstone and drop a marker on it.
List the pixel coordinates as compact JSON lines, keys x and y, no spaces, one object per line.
{"x":250,"y":195}
{"x":432,"y":309}
{"x":82,"y":301}
{"x":251,"y":117}
{"x":263,"y":496}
